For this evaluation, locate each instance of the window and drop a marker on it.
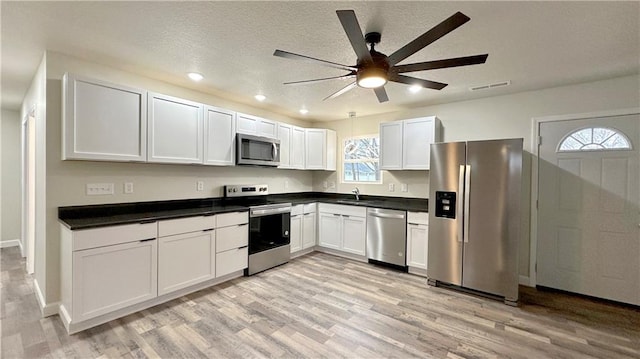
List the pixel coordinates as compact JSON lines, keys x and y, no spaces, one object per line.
{"x":360,"y":160}
{"x":594,"y":138}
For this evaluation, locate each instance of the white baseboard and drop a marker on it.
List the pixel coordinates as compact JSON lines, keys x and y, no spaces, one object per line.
{"x":524,"y":280}
{"x":11,"y":243}
{"x":47,"y":310}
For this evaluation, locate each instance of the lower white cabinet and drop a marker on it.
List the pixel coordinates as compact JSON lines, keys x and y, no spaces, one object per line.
{"x":343,"y":228}
{"x":109,"y":278}
{"x":417,"y":239}
{"x":185,"y":259}
{"x":232,"y":252}
{"x":303,"y":227}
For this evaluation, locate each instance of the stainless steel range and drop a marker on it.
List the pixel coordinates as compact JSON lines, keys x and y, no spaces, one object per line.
{"x":269,"y":226}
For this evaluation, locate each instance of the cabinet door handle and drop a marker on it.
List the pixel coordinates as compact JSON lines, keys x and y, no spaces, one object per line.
{"x":207,"y":230}
{"x":345,"y":216}
{"x":146,"y":240}
{"x":148,"y":221}
{"x":336,"y":214}
{"x":243,"y":224}
{"x":208,"y":214}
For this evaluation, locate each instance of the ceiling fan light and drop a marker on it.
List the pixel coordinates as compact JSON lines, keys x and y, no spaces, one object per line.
{"x":260,"y":97}
{"x":195,"y":76}
{"x":372,"y":78}
{"x":415,"y":88}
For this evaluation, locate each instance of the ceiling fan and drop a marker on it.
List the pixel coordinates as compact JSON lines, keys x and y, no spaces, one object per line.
{"x":374,"y":69}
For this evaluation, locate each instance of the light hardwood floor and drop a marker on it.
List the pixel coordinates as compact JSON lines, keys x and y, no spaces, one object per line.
{"x":324,"y":306}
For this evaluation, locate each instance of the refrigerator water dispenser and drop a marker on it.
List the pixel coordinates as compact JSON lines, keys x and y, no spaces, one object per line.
{"x":446,"y":204}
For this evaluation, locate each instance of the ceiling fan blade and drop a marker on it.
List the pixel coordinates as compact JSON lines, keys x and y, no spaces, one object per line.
{"x":341,"y":91}
{"x":440,"y":64}
{"x":320,"y":80}
{"x":381,"y":94}
{"x":354,"y":33}
{"x":438,"y":31}
{"x":291,"y":55}
{"x":415,"y":81}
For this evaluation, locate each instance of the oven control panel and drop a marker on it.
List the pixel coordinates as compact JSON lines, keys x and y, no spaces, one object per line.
{"x":246,"y":190}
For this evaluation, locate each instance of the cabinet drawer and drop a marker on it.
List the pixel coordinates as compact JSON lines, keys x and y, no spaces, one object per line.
{"x":231,"y":219}
{"x":309,"y":208}
{"x":232,"y":237}
{"x":297,"y":209}
{"x":185,"y":225}
{"x":343,"y":210}
{"x":231,"y":261}
{"x":106,"y":236}
{"x":418,"y":217}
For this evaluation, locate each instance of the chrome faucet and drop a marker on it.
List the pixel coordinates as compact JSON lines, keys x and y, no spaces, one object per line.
{"x":357,"y":193}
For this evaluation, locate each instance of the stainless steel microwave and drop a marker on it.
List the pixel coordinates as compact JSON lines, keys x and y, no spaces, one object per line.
{"x":257,"y":151}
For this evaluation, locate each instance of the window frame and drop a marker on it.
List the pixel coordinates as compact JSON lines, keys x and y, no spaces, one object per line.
{"x":345,"y":161}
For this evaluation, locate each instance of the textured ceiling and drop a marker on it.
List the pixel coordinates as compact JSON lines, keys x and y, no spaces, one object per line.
{"x":532,"y":44}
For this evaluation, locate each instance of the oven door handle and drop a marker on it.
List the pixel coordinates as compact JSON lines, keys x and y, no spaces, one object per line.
{"x":270,"y":211}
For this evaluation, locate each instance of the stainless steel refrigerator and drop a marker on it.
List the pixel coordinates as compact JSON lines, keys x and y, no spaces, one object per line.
{"x":474,"y":216}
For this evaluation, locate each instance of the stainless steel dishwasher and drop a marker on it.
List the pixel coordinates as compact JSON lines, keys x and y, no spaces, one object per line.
{"x":387,"y":236}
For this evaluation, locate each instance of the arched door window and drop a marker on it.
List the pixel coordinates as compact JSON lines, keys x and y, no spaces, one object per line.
{"x":594,"y":139}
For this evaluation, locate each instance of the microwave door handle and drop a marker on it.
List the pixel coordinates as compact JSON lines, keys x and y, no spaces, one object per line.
{"x":274,"y":152}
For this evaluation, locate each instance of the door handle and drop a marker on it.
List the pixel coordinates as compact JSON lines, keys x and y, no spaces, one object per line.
{"x":460,"y":209}
{"x":274,"y":151}
{"x":467,"y":201}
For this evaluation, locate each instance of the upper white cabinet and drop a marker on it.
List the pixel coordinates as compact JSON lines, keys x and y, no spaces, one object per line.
{"x":320,"y":152}
{"x":258,"y":126}
{"x":405,"y":145}
{"x":284,"y":135}
{"x":175,"y":130}
{"x":297,"y":149}
{"x":219,"y":136}
{"x":103,"y":121}
{"x":292,"y":148}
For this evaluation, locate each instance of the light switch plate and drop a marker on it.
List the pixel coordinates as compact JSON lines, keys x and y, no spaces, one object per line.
{"x":128,"y":187}
{"x":96,"y":189}
{"x":200,"y":185}
{"x":392,"y":187}
{"x":404,"y":187}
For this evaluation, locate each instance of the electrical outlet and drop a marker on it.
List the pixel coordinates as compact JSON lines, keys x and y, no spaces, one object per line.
{"x":200,"y":185}
{"x":95,"y":189}
{"x":128,"y":187}
{"x":332,"y":185}
{"x":392,"y":187}
{"x":404,"y":187}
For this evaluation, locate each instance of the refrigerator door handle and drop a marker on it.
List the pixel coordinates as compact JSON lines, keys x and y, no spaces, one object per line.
{"x":460,"y":214}
{"x":467,"y":187}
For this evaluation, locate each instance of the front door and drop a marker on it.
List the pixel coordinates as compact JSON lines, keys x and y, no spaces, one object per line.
{"x":589,"y":207}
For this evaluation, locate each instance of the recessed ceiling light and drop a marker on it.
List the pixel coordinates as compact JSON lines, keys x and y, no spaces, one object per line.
{"x":195,"y":76}
{"x":260,"y":97}
{"x":415,"y":88}
{"x":304,"y":111}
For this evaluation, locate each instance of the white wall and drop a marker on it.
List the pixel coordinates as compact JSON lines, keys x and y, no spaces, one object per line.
{"x":10,"y":191}
{"x":66,"y":180}
{"x":487,"y":118}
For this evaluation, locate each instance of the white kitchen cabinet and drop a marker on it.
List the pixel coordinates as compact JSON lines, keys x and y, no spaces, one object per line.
{"x":285,"y":134}
{"x":257,"y":126}
{"x":103,"y":121}
{"x":185,"y":259}
{"x":320,"y":149}
{"x":406,"y":144}
{"x":330,"y":226}
{"x":232,"y":241}
{"x":295,"y":229}
{"x":309,"y":226}
{"x":219,"y":136}
{"x":175,"y":130}
{"x":391,"y":145}
{"x":297,"y":149}
{"x":103,"y":278}
{"x":303,"y":227}
{"x":186,"y":252}
{"x":343,"y":228}
{"x":417,"y":240}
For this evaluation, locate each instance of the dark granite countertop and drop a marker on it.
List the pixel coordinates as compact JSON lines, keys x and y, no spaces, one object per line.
{"x":93,"y":216}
